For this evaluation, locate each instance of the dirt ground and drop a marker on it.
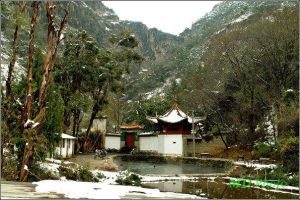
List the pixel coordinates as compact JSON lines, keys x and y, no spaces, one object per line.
{"x":232,"y":153}
{"x":88,"y":161}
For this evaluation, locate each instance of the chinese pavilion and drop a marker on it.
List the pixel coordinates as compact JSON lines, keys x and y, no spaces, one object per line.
{"x":175,"y":127}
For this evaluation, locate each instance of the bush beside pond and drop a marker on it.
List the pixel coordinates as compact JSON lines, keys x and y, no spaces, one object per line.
{"x":38,"y":173}
{"x":128,"y":178}
{"x":80,"y":174}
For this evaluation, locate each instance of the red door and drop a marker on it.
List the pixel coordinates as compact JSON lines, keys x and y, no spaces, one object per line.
{"x":129,"y":138}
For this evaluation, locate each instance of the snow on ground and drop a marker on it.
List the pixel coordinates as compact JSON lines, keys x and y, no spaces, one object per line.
{"x":107,"y":189}
{"x":242,"y":18}
{"x":58,"y":161}
{"x":255,"y":165}
{"x":164,"y":178}
{"x":53,"y":167}
{"x":76,"y":190}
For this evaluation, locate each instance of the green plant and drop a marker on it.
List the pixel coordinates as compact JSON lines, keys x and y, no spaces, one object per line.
{"x":289,"y":153}
{"x":86,"y":175}
{"x":263,"y":150}
{"x":294,"y":180}
{"x":128,"y":178}
{"x":37,"y":173}
{"x":100,"y":175}
{"x":69,"y":173}
{"x":9,"y":168}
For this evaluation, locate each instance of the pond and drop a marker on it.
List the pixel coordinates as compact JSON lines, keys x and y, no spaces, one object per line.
{"x":153,"y":165}
{"x":218,"y":189}
{"x":205,"y":187}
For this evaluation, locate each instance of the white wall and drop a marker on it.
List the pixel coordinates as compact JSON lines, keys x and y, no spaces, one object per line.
{"x":70,"y":150}
{"x":170,"y":144}
{"x":112,"y":142}
{"x":149,"y":143}
{"x":99,"y":125}
{"x":64,"y":150}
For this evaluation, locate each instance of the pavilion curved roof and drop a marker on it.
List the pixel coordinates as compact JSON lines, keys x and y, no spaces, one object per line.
{"x":174,"y":115}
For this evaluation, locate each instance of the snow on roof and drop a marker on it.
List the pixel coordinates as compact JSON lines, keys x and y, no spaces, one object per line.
{"x":147,"y":133}
{"x":66,"y":136}
{"x":152,"y":119}
{"x":175,"y":115}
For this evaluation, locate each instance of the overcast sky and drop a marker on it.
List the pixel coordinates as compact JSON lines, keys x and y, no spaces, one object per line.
{"x":168,"y":16}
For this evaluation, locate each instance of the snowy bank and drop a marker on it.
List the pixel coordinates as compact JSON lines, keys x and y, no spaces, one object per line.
{"x":76,"y":190}
{"x":255,"y":165}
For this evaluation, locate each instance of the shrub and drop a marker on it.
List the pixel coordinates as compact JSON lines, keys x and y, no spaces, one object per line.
{"x":128,"y":178}
{"x":69,"y":173}
{"x":280,"y":173}
{"x":100,"y":176}
{"x":294,"y":181}
{"x":263,"y":150}
{"x":9,"y":168}
{"x":38,"y":173}
{"x":289,"y":152}
{"x":86,"y":175}
{"x":80,"y":174}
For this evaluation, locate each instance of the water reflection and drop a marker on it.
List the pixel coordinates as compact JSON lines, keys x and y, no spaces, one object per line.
{"x":218,"y":189}
{"x":146,"y":167}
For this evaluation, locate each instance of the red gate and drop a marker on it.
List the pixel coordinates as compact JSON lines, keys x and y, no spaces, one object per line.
{"x":129,"y":138}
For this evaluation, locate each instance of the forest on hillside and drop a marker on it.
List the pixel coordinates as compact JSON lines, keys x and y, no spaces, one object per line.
{"x":243,"y":79}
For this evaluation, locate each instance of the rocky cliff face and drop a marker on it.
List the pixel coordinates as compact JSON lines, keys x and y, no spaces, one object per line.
{"x":100,"y":22}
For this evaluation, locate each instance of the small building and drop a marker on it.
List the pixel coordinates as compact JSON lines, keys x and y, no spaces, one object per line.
{"x":174,"y":130}
{"x":99,"y":124}
{"x":66,"y":146}
{"x":99,"y":127}
{"x":171,"y":135}
{"x":112,"y":141}
{"x":127,"y":136}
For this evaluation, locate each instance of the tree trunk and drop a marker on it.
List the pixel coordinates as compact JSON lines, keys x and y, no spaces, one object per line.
{"x":96,"y":108}
{"x":76,"y":121}
{"x":9,"y":96}
{"x":221,"y":135}
{"x":93,"y":116}
{"x":67,"y":116}
{"x":251,"y":132}
{"x":14,"y":56}
{"x":27,"y":157}
{"x":54,"y":36}
{"x":28,"y":103}
{"x":26,"y":113}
